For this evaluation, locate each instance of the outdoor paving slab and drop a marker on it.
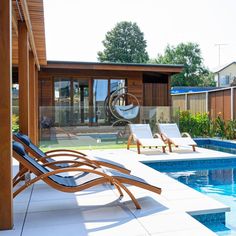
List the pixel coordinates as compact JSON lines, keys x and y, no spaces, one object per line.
{"x":198,"y":206}
{"x":159,"y":219}
{"x":91,"y":219}
{"x":188,"y":232}
{"x":17,"y":227}
{"x":99,"y":211}
{"x":11,"y":232}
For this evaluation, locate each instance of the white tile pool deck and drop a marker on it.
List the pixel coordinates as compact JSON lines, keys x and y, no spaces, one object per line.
{"x":41,"y":210}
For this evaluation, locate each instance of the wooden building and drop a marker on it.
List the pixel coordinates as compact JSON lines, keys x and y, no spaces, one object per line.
{"x":88,"y":84}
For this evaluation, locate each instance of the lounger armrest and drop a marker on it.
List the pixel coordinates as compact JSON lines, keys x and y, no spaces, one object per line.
{"x":164,"y":137}
{"x":73,"y":163}
{"x":156,"y":135}
{"x":134,"y":137}
{"x":77,"y":157}
{"x":185,"y":134}
{"x":63,"y":151}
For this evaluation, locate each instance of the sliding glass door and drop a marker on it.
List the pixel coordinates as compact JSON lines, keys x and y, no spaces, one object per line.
{"x":102,"y":90}
{"x":70,"y":101}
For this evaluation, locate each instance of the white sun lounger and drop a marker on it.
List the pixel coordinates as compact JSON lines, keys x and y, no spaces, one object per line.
{"x":141,"y":134}
{"x":171,"y":135}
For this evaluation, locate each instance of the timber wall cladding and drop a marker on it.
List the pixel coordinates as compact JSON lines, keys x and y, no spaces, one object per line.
{"x":155,"y":94}
{"x":46,"y":103}
{"x":46,"y":92}
{"x":135,"y":87}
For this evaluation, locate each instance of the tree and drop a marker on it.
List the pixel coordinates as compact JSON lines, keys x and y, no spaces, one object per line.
{"x":125,"y":44}
{"x":194,"y":72}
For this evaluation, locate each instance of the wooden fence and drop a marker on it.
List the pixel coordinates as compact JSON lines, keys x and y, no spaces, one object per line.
{"x":214,"y":101}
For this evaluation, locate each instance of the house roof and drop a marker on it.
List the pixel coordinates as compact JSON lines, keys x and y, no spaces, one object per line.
{"x":220,"y":68}
{"x":164,"y":68}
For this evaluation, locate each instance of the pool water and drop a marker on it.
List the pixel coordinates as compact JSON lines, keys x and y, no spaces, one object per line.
{"x":219,"y":148}
{"x":216,"y":183}
{"x":228,"y":146}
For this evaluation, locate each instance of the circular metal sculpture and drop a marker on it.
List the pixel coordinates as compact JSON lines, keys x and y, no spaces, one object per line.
{"x":122,"y":107}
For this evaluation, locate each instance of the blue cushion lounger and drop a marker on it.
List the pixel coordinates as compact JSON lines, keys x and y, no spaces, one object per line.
{"x":84,"y":179}
{"x":48,"y":157}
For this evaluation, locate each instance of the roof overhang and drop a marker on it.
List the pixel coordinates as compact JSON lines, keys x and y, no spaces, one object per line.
{"x":32,"y":12}
{"x":161,"y":68}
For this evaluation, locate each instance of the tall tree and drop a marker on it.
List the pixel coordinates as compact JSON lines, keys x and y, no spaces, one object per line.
{"x":194,"y":72}
{"x":125,"y":44}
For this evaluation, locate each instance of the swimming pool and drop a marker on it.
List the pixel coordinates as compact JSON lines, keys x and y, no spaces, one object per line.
{"x":216,"y":183}
{"x":217,"y":144}
{"x":215,"y":178}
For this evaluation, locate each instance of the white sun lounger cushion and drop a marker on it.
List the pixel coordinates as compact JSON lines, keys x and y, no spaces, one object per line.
{"x":183,"y":141}
{"x":153,"y":142}
{"x":141,"y":131}
{"x":170,"y":130}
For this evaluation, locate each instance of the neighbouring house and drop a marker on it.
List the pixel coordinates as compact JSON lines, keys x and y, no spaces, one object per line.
{"x":225,"y":76}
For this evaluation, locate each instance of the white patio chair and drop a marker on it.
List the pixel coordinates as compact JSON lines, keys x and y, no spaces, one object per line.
{"x":141,"y":134}
{"x":171,"y":135}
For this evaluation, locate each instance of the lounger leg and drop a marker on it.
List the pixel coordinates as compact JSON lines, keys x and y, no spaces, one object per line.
{"x":163,"y":149}
{"x":138,"y":147}
{"x":169,"y":144}
{"x":19,"y":175}
{"x":129,"y":141}
{"x":119,"y":190}
{"x":194,"y":149}
{"x":131,"y":196}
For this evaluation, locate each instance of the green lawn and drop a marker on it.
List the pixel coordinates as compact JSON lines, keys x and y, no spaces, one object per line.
{"x":45,"y":148}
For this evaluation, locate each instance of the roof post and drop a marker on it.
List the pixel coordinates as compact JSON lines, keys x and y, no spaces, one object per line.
{"x":32,"y":96}
{"x":6,"y":197}
{"x":23,"y":71}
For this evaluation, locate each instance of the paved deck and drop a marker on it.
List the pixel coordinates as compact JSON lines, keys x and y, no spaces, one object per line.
{"x":41,"y":210}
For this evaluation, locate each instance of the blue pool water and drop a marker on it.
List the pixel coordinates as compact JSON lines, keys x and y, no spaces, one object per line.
{"x":216,"y":183}
{"x":217,"y":144}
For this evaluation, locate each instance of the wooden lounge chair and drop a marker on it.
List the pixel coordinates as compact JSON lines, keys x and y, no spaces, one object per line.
{"x":142,"y":135}
{"x":84,"y":179}
{"x":171,"y":135}
{"x":48,"y":157}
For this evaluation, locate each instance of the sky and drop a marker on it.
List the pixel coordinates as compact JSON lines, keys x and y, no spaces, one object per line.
{"x":75,"y":29}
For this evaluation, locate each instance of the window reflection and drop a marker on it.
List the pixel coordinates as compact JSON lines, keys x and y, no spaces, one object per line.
{"x":71,"y":101}
{"x":102,"y":89}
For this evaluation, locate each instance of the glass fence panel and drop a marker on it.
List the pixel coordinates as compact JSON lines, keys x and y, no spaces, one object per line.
{"x":99,"y":128}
